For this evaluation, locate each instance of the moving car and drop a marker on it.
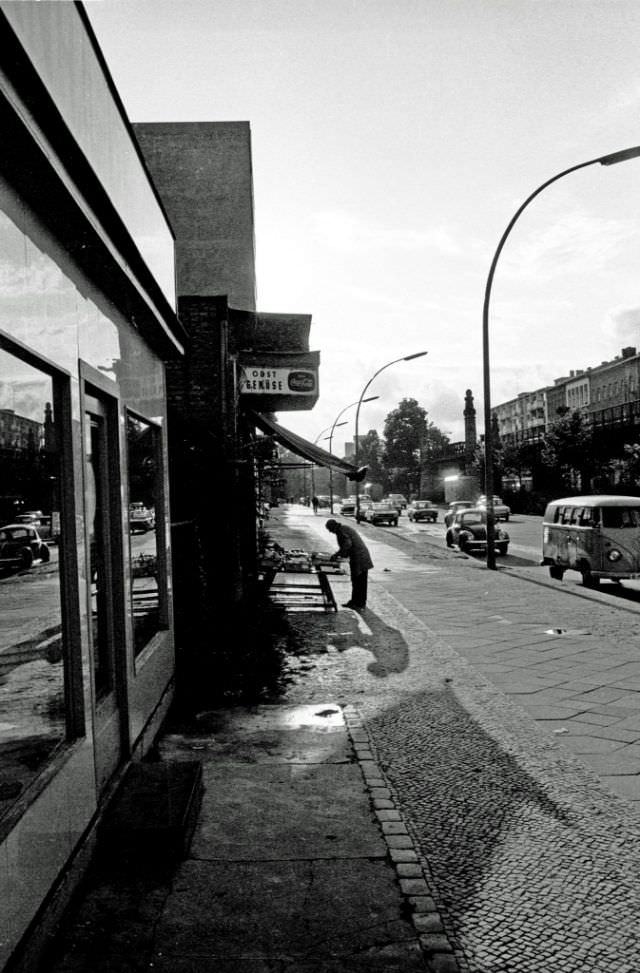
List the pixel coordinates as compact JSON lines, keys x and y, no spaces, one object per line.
{"x":398,"y":500}
{"x":469,"y":531}
{"x":422,"y":510}
{"x":363,"y":505}
{"x":141,"y":518}
{"x":454,"y":506}
{"x":348,"y":507}
{"x":380,"y":513}
{"x":500,"y":509}
{"x":21,"y":545}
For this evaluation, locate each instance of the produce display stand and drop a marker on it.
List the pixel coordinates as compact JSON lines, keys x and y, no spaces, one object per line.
{"x":299,"y":581}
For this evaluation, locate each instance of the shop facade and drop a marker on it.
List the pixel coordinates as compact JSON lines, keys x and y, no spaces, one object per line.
{"x":87,"y":321}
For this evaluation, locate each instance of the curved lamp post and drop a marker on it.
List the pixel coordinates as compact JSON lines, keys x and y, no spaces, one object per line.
{"x":604,"y":160}
{"x":417,"y":354}
{"x":335,"y":426}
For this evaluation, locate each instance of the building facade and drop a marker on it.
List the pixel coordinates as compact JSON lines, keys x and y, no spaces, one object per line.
{"x":87,"y":320}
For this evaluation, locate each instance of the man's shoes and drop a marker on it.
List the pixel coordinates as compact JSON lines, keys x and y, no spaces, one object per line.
{"x":348,"y":604}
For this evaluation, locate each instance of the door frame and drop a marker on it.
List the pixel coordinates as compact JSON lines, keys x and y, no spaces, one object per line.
{"x":111,"y":714}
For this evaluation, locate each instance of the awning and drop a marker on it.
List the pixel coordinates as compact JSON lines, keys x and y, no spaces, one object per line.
{"x":302,"y":447}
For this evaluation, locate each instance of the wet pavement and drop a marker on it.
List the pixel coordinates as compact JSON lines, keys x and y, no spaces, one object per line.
{"x":429,"y":793}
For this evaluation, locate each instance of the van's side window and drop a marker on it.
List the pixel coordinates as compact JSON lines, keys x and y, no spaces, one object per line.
{"x":621,"y":516}
{"x":566,"y":514}
{"x":557,"y":515}
{"x":587,"y":517}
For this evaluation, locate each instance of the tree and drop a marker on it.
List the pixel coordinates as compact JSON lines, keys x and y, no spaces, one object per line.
{"x":370,"y":455}
{"x":569,"y":453}
{"x":405,"y":430}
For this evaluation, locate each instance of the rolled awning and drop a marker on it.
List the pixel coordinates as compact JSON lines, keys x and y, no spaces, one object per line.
{"x":305,"y":449}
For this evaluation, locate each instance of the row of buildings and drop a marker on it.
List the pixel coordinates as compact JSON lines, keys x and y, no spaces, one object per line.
{"x":607,"y":394}
{"x":136,"y":373}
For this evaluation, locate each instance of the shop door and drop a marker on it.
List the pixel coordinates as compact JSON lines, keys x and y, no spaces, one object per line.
{"x":104,"y":549}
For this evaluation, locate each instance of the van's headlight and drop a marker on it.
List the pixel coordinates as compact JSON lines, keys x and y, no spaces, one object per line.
{"x":614,"y":555}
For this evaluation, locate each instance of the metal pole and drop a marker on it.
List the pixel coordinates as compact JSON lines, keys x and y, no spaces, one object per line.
{"x":488,"y":432}
{"x":418,"y":354}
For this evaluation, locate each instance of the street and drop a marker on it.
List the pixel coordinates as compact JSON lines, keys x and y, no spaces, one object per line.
{"x":504,"y":710}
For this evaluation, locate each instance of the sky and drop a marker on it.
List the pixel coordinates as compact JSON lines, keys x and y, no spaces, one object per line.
{"x":392,"y":142}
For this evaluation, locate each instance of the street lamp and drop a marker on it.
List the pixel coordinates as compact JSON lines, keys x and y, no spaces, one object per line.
{"x":335,"y":426}
{"x":417,"y":354}
{"x":605,"y":160}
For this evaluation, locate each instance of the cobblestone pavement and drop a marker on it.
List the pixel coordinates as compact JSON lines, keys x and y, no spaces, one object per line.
{"x":513,"y":751}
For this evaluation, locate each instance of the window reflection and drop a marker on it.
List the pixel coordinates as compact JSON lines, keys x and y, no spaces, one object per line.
{"x":32,"y":685}
{"x":143,"y":445}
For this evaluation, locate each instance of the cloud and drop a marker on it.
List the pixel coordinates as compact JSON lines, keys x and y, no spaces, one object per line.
{"x":348,"y":233}
{"x":578,"y":243}
{"x":623,"y":326}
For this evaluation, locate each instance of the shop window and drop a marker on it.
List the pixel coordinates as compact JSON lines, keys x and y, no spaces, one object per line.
{"x":33,"y":692}
{"x":145,"y":503}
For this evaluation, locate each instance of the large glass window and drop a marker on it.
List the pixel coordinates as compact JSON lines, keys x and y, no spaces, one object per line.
{"x":33,"y":704}
{"x":143,"y":444}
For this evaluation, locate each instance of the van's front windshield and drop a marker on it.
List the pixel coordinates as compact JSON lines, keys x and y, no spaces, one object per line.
{"x":620,"y":516}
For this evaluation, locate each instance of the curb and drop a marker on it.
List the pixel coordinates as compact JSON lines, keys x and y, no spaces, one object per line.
{"x":413,"y":880}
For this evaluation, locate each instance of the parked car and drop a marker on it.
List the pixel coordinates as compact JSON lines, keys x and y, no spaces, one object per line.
{"x":454,"y":506}
{"x":500,"y":510}
{"x":398,"y":500}
{"x":422,"y":510}
{"x":381,"y":513}
{"x":35,"y":518}
{"x":469,"y":531}
{"x":599,"y":536}
{"x":21,"y":545}
{"x":141,"y":518}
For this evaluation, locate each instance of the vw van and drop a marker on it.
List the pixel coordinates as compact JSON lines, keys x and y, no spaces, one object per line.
{"x":599,"y":536}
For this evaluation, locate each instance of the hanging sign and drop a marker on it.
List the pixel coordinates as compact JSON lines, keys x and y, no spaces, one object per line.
{"x":258,"y":380}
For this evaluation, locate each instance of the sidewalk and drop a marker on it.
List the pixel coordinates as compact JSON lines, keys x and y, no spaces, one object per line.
{"x":398,"y":811}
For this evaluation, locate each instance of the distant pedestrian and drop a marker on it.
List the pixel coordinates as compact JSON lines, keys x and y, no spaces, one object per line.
{"x":314,"y":504}
{"x":351,"y":545}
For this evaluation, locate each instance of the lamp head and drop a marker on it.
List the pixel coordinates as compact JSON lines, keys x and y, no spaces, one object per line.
{"x":417,"y":354}
{"x":622,"y":156}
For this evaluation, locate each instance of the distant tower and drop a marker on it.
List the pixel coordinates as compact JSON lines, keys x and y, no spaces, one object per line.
{"x":470,"y":433}
{"x":49,"y":429}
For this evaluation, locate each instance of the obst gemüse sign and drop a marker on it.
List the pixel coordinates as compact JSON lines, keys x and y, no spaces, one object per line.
{"x":256,"y":380}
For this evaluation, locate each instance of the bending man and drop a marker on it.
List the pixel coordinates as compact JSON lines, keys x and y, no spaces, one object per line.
{"x":351,"y":545}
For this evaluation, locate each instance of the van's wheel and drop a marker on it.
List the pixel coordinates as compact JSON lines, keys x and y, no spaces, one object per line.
{"x":45,"y":554}
{"x":502,"y":549}
{"x":26,"y":557}
{"x":588,"y":579}
{"x":556,"y":573}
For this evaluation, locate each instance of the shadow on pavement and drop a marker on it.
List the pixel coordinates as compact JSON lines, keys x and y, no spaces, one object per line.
{"x":318,"y":634}
{"x":469,"y":802}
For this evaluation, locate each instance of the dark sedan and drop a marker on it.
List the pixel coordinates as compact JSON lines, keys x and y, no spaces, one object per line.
{"x":468,"y":530}
{"x":381,"y":513}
